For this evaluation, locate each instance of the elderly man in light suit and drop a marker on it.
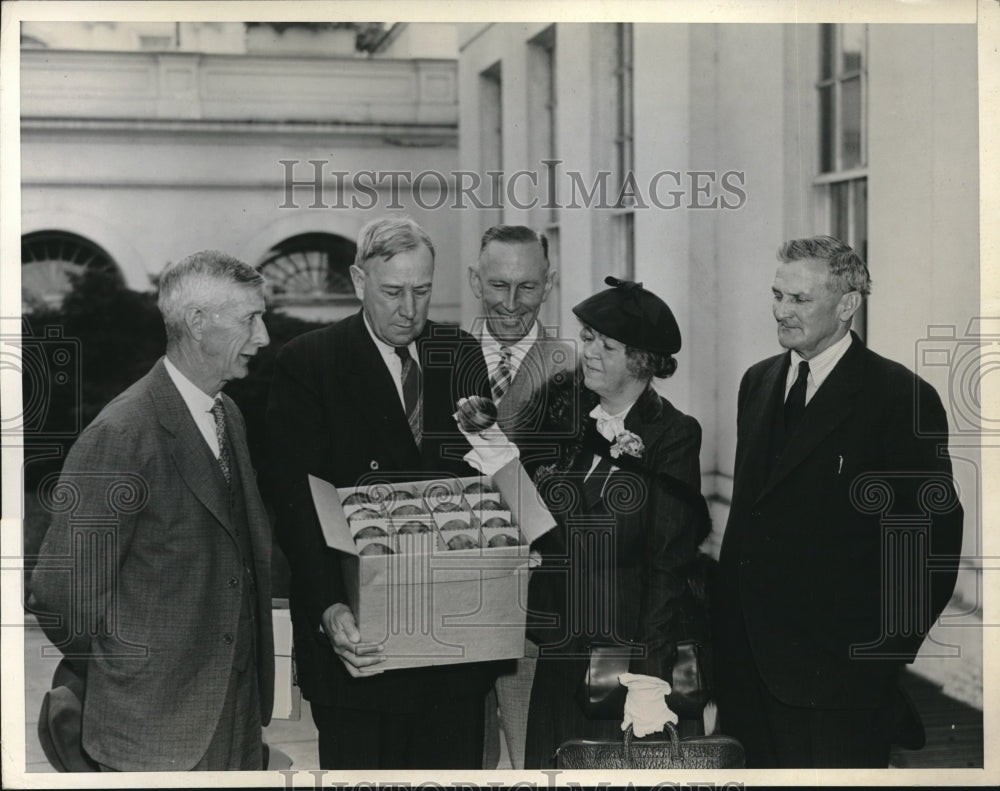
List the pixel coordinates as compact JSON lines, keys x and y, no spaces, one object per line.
{"x":172,"y":627}
{"x":512,"y":279}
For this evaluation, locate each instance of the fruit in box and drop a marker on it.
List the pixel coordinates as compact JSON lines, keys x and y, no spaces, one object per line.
{"x":412,"y":527}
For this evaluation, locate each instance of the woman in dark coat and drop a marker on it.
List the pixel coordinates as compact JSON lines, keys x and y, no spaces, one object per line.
{"x":623,"y":565}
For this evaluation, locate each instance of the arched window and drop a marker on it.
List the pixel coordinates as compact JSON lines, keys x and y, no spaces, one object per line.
{"x":48,"y":258}
{"x":311,"y":268}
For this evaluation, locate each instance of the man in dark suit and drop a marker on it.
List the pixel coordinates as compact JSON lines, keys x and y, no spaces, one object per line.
{"x":373,"y":394}
{"x":157,"y":561}
{"x":512,"y":279}
{"x":844,"y":529}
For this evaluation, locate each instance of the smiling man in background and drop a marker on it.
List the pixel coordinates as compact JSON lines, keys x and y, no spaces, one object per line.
{"x":823,"y":595}
{"x":166,"y":610}
{"x":512,"y":279}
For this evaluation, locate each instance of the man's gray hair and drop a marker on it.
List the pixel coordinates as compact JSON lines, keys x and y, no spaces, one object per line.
{"x":195,"y":281}
{"x":847,"y":271}
{"x":515,"y":234}
{"x":390,"y":236}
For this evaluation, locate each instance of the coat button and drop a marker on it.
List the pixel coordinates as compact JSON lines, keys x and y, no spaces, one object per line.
{"x":232,"y":582}
{"x":227,"y":638}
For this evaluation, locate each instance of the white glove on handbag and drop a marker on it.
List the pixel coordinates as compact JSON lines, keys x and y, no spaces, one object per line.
{"x":646,"y":707}
{"x":491,"y":449}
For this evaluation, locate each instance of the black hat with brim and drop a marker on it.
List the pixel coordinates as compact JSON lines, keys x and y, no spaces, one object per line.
{"x":632,"y":315}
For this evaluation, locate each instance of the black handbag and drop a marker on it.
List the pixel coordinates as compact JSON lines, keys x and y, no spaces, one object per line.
{"x":602,"y":697}
{"x":695,"y":752}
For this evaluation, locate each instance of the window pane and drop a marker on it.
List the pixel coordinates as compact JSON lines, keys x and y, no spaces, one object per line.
{"x":852,"y":40}
{"x":838,"y":210}
{"x":825,"y":51}
{"x":624,"y":266}
{"x":860,"y":240}
{"x":310,"y":266}
{"x":826,"y":137}
{"x":48,"y":258}
{"x":850,"y":110}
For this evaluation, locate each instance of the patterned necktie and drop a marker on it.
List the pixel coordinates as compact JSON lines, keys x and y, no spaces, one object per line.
{"x":411,"y":393}
{"x":220,"y":432}
{"x":795,"y":404}
{"x":501,"y":378}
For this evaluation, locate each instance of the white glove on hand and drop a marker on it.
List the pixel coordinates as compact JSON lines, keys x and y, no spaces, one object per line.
{"x":491,"y":449}
{"x":646,"y":708}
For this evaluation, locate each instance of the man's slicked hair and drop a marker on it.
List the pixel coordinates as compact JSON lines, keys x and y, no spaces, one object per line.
{"x":390,"y":236}
{"x":198,"y":280}
{"x":847,"y":272}
{"x":515,"y":234}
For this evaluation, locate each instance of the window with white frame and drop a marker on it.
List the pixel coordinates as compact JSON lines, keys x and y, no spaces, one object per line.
{"x":310,"y":268}
{"x":50,"y":260}
{"x":843,"y":145}
{"x":542,"y":147}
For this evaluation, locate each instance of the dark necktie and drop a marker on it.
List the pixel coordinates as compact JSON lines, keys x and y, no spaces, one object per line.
{"x":220,"y":432}
{"x":795,"y":404}
{"x":501,"y":378}
{"x":411,"y":393}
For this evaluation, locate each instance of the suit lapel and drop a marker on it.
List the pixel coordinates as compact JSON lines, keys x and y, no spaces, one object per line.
{"x":545,"y":357}
{"x":760,"y":412}
{"x":377,"y":400}
{"x":523,"y":385}
{"x":191,"y":455}
{"x":643,"y":420}
{"x":240,"y":455}
{"x":829,"y":407}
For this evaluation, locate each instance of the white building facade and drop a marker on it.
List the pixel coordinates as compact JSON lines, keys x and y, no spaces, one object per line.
{"x":278,"y":153}
{"x":715,"y":144}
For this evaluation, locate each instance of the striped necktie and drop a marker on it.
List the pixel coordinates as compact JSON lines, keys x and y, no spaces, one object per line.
{"x":218,"y":412}
{"x":412,"y":403}
{"x":501,"y":378}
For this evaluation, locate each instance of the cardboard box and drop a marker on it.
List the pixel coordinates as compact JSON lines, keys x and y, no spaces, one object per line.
{"x":432,"y":606}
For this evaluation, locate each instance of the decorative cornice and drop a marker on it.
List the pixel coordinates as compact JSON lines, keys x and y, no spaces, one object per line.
{"x":404,"y":135}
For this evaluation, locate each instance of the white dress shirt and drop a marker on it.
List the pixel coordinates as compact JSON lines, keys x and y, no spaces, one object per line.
{"x":820,"y":366}
{"x":199,"y":403}
{"x":391,"y":359}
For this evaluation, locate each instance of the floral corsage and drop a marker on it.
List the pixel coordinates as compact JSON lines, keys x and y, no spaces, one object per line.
{"x":628,"y":443}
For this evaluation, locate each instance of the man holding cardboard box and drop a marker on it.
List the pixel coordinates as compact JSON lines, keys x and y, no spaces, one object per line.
{"x":373,"y":396}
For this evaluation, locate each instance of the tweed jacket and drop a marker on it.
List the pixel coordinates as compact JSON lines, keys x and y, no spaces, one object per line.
{"x":155,"y":625}
{"x":521,"y":411}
